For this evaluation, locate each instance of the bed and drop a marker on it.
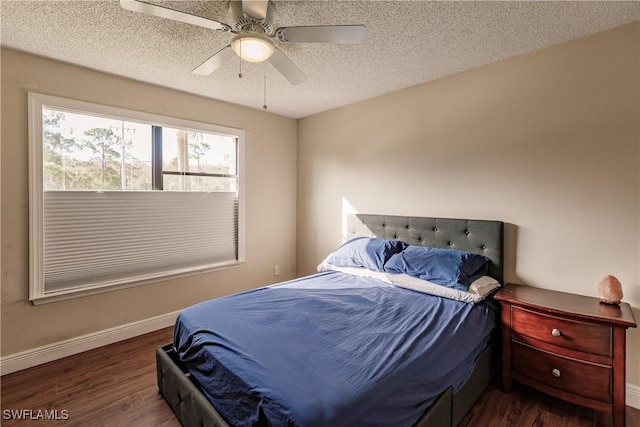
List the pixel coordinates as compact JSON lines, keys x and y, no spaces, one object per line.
{"x":327,"y":393}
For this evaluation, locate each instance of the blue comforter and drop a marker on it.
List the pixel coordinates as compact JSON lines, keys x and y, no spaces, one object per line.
{"x":330,"y":350}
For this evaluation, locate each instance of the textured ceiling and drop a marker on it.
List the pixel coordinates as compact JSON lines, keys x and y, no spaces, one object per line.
{"x":407,"y":42}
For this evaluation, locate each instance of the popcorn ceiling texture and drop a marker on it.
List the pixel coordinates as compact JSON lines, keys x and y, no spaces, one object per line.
{"x":408,"y":42}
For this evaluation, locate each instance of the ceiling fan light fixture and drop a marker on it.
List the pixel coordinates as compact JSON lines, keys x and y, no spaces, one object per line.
{"x":252,"y":47}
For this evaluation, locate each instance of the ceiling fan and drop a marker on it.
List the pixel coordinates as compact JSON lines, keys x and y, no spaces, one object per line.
{"x":255,"y":34}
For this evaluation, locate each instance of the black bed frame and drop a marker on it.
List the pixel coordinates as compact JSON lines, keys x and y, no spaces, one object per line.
{"x":183,"y":394}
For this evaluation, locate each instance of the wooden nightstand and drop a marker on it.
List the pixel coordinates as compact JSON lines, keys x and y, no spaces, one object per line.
{"x":569,"y":346}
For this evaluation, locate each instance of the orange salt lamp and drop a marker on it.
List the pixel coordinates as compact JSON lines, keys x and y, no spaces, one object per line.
{"x":610,"y":290}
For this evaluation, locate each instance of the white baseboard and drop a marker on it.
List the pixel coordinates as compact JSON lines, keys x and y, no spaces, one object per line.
{"x":47,"y":353}
{"x":633,"y":396}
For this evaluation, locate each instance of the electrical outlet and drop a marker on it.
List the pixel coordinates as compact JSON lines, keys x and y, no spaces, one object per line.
{"x":276,"y":270}
{"x":293,"y":268}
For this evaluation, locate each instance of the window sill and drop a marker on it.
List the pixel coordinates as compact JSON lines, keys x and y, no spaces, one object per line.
{"x":108,"y":287}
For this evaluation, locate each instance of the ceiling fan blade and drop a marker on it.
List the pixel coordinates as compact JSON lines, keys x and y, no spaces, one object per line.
{"x":257,"y":9}
{"x":342,"y":34}
{"x":174,"y":15}
{"x":287,"y":68}
{"x":212,"y":64}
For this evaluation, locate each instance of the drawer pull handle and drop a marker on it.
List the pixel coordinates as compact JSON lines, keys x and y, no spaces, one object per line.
{"x":555,"y":373}
{"x":555,"y":332}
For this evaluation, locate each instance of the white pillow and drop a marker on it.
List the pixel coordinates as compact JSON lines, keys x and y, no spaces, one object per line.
{"x":473,"y":295}
{"x":478,"y":290}
{"x":484,"y":285}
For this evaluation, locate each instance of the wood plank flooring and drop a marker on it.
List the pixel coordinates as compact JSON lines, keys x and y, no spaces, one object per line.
{"x":116,"y":386}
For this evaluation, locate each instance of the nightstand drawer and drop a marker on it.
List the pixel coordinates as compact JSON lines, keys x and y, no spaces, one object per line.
{"x":587,"y":337}
{"x":585,"y":379}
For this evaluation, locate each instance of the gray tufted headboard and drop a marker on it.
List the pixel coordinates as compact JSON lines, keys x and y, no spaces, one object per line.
{"x":478,"y":236}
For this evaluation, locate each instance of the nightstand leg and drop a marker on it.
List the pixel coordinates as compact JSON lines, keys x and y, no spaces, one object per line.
{"x":506,"y":348}
{"x":506,"y":383}
{"x":619,"y":349}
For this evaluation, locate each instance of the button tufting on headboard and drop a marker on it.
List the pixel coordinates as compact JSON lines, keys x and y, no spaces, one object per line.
{"x":478,"y":236}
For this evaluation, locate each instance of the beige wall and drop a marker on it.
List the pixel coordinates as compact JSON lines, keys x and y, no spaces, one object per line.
{"x":548,"y":142}
{"x":270,"y":197}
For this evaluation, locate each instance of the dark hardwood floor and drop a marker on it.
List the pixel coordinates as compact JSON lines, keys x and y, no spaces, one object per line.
{"x":110,"y":386}
{"x":525,"y":406}
{"x":116,"y":386}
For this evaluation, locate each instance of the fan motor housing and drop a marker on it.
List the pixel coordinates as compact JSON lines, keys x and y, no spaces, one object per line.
{"x":245,"y":23}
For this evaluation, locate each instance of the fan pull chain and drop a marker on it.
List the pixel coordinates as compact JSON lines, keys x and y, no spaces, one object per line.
{"x":264,"y":106}
{"x":240,"y":74}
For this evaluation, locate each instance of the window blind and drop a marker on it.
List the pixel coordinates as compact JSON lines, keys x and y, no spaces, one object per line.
{"x":105,"y":238}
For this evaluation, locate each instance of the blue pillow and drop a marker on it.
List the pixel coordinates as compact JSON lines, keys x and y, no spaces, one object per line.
{"x":367,"y":252}
{"x":447,"y":267}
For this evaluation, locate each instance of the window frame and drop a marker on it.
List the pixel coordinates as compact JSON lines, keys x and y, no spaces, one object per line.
{"x":158,"y":172}
{"x":36,"y":102}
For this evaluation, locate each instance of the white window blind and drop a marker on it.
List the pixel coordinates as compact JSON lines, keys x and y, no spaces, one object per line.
{"x":104,"y":238}
{"x":119,"y":198}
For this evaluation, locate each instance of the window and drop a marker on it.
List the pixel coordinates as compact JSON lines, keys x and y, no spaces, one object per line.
{"x":119,"y":198}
